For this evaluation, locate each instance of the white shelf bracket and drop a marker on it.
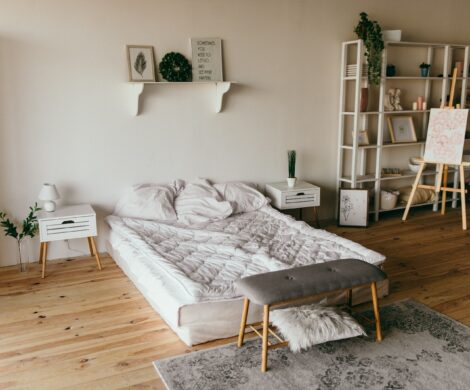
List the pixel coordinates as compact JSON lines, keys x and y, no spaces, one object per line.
{"x":137,"y":89}
{"x":220,"y":89}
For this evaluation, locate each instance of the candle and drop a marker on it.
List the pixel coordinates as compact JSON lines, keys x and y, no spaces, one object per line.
{"x":420,"y":102}
{"x":425,"y":106}
{"x":415,"y":106}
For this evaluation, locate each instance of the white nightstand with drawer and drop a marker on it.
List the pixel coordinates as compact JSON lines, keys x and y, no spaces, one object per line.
{"x":67,"y":223}
{"x":300,"y":196}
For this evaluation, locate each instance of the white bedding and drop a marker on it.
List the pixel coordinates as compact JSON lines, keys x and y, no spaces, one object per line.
{"x":198,"y":265}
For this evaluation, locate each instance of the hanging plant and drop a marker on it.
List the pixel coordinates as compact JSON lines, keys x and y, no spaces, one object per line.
{"x":371,"y":33}
{"x":175,"y":67}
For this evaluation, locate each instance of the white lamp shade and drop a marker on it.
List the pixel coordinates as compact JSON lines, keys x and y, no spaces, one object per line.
{"x":49,"y":192}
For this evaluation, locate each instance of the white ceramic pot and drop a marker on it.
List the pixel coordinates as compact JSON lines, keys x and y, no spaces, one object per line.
{"x":291,"y":182}
{"x":388,"y":200}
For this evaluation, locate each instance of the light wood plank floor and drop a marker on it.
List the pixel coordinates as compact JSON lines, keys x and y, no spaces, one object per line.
{"x":84,"y":329}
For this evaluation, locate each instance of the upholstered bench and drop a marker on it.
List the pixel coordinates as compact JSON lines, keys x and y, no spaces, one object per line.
{"x":285,"y":287}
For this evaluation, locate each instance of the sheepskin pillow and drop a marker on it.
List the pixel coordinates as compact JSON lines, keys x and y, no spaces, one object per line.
{"x":147,"y":201}
{"x":304,"y":326}
{"x":243,"y":197}
{"x":200,"y":202}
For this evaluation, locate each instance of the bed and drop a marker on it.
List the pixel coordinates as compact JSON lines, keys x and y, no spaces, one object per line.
{"x":186,"y":272}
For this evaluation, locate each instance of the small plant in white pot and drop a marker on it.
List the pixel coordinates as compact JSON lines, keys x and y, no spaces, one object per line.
{"x":29,"y":228}
{"x":291,"y":156}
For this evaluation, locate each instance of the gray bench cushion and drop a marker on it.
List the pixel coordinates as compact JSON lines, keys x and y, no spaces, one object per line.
{"x":305,"y":281}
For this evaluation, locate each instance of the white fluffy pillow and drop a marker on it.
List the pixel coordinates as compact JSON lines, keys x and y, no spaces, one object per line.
{"x":147,"y":201}
{"x":243,"y":197}
{"x":200,"y":202}
{"x":304,"y":326}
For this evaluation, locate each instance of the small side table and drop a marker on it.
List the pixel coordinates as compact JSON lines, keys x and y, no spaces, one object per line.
{"x":300,"y":196}
{"x":67,"y":223}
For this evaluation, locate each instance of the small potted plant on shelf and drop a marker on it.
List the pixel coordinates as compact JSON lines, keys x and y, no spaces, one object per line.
{"x":29,"y":228}
{"x":424,"y":69}
{"x":291,"y":156}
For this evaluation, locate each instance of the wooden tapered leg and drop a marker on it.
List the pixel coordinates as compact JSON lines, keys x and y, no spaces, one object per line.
{"x":264,"y":353}
{"x":241,"y":335}
{"x":375,"y":304}
{"x":462,"y":197}
{"x":90,"y":247}
{"x":44,"y":258}
{"x":349,"y":296}
{"x":444,"y":192}
{"x":97,"y":256}
{"x":40,"y":252}
{"x":317,"y":221}
{"x":413,"y":191}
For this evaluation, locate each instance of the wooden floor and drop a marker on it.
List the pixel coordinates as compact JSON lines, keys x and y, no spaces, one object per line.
{"x":85,"y":329}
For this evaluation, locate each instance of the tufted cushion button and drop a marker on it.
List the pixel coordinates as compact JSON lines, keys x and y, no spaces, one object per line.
{"x":289,"y":277}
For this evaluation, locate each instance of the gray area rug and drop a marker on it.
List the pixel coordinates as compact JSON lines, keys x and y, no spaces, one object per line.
{"x":422,"y":349}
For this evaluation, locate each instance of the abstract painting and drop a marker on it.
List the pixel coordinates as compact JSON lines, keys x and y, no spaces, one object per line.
{"x":446,"y":136}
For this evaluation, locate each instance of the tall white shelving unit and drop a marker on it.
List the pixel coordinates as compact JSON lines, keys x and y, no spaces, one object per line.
{"x":361,"y":166}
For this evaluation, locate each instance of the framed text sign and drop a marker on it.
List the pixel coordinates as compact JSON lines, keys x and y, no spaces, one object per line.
{"x":207,"y":59}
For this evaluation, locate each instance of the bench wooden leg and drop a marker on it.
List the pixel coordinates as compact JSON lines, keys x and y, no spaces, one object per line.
{"x":378,"y":329}
{"x":349,"y":297}
{"x":241,"y":335}
{"x":264,"y":353}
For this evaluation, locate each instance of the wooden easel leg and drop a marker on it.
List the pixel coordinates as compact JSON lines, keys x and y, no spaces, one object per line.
{"x":264,"y":353}
{"x":462,"y":197}
{"x":378,"y":328}
{"x":444,"y":192}
{"x":97,"y":255}
{"x":44,"y":257}
{"x":413,"y":191}
{"x":241,"y":334}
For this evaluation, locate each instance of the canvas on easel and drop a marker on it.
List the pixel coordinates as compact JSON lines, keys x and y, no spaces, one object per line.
{"x":446,"y":136}
{"x":444,"y":146}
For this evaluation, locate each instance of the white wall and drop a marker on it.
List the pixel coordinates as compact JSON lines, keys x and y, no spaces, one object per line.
{"x":64,"y":103}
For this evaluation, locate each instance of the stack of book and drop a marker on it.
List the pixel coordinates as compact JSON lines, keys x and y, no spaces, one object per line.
{"x":351,"y":70}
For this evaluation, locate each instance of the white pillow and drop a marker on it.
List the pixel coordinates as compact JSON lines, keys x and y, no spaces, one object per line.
{"x":200,"y":202}
{"x":243,"y":197}
{"x":147,"y":201}
{"x":304,"y":326}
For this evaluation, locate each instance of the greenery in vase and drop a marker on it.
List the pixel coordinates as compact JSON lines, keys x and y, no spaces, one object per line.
{"x":29,"y":226}
{"x":371,"y":33}
{"x":424,"y":66}
{"x":291,"y":156}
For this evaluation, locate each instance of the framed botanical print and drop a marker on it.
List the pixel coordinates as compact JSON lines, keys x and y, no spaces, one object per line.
{"x":402,"y":129}
{"x":141,"y":62}
{"x":353,"y":207}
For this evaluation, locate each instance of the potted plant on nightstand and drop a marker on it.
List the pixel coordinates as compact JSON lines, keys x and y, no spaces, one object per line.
{"x":291,"y":157}
{"x":424,"y":69}
{"x":29,"y":228}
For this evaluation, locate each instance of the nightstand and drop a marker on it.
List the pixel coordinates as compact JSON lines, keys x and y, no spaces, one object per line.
{"x":67,"y":223}
{"x":300,"y":196}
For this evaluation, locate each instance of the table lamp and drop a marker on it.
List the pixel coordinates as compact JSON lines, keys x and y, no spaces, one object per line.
{"x":48,"y":194}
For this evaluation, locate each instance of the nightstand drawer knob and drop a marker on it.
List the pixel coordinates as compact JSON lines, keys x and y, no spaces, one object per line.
{"x":67,"y":221}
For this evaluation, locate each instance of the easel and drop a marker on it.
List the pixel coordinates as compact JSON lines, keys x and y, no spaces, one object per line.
{"x":442,"y":175}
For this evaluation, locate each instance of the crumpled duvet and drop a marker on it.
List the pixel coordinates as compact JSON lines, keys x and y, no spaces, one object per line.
{"x":204,"y":260}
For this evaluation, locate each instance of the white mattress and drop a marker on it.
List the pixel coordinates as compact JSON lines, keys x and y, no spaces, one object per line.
{"x":187,"y":273}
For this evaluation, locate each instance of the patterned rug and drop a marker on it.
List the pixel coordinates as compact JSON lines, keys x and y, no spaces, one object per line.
{"x":422,"y":349}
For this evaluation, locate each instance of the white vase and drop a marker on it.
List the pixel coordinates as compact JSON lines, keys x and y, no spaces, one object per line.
{"x":291,"y":182}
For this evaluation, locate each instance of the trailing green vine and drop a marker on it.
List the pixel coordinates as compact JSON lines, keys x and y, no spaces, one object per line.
{"x":371,"y":33}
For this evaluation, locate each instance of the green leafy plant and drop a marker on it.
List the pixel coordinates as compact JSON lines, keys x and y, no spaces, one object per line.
{"x":291,"y":157}
{"x":424,"y":66}
{"x":371,"y":33}
{"x":29,"y":227}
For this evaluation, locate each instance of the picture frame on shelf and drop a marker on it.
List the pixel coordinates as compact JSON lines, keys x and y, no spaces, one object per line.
{"x":353,"y":207}
{"x":363,"y":138}
{"x":141,"y":63}
{"x":402,"y":129}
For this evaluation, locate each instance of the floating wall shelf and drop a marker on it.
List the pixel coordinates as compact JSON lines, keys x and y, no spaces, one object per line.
{"x":221,"y":87}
